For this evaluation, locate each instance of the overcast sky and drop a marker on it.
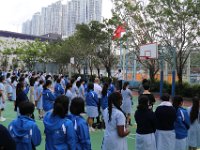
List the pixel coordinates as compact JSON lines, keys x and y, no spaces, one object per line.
{"x":14,"y":12}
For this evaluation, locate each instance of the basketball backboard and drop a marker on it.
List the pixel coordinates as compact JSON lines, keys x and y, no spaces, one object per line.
{"x":149,"y":51}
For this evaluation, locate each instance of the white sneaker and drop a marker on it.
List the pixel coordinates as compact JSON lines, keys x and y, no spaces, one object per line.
{"x":2,"y":119}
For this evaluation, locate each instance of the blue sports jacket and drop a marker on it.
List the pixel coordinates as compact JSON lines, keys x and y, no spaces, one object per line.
{"x":25,"y":133}
{"x":92,"y":99}
{"x":60,"y":134}
{"x":58,"y":90}
{"x":48,"y":99}
{"x":82,"y":132}
{"x":182,"y":123}
{"x":104,"y":100}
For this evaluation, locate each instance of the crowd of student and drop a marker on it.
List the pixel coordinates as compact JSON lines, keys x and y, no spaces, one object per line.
{"x":60,"y":102}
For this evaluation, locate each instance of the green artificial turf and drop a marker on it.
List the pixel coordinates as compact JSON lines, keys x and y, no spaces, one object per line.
{"x":96,"y":137}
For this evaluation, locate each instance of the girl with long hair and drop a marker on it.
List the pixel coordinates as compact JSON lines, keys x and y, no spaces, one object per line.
{"x":59,"y":130}
{"x":115,"y":122}
{"x":194,"y":131}
{"x":127,"y":102}
{"x":48,"y":96}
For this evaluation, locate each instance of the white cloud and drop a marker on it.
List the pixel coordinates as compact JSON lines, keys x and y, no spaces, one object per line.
{"x":14,"y":12}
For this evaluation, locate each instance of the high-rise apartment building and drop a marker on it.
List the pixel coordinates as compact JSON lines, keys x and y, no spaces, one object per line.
{"x":62,"y":18}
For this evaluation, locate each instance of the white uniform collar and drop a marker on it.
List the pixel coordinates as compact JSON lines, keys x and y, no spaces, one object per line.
{"x":165,"y":103}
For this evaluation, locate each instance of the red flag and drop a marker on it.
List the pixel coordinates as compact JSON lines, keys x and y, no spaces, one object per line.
{"x":118,"y":31}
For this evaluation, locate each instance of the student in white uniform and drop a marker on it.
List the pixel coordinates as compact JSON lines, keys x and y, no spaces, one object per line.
{"x":14,"y":86}
{"x":146,"y":125}
{"x":115,"y":122}
{"x":2,"y":97}
{"x":194,"y":131}
{"x":127,"y":101}
{"x":98,"y":90}
{"x":39,"y":101}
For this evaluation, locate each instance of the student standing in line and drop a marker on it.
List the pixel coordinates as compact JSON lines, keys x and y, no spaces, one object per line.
{"x":111,"y":87}
{"x":6,"y":141}
{"x":91,"y":105}
{"x":59,"y":130}
{"x":58,"y":89}
{"x":194,"y":131}
{"x":181,"y":124}
{"x":165,"y":118}
{"x":24,"y":130}
{"x":31,"y":94}
{"x":146,"y":125}
{"x":69,"y":93}
{"x":80,"y":125}
{"x":105,"y":94}
{"x":98,"y":90}
{"x":20,"y":96}
{"x":39,"y":101}
{"x":35,"y":88}
{"x":14,"y":86}
{"x":2,"y":97}
{"x":148,"y":94}
{"x":115,"y":122}
{"x":48,"y":97}
{"x":127,"y":102}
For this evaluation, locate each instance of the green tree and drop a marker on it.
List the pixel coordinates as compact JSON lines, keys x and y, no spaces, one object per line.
{"x":171,"y":23}
{"x":32,"y":52}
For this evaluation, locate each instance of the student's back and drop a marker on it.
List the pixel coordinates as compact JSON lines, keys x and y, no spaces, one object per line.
{"x":166,"y":116}
{"x":82,"y":132}
{"x":24,"y":129}
{"x":59,"y":133}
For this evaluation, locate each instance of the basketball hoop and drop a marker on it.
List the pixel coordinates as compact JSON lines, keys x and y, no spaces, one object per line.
{"x":149,"y":51}
{"x":144,"y":57}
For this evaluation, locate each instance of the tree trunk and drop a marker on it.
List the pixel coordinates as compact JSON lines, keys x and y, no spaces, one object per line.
{"x":91,"y":70}
{"x":98,"y":71}
{"x":151,"y":74}
{"x":180,"y":77}
{"x":108,"y":69}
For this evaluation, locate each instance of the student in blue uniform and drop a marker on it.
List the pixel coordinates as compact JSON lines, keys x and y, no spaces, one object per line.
{"x":194,"y":131}
{"x":111,"y":87}
{"x":24,"y":130}
{"x":115,"y":121}
{"x":91,"y":105}
{"x":58,"y":89}
{"x":146,"y":125}
{"x":20,"y":96}
{"x":59,"y":130}
{"x":105,"y":94}
{"x":80,"y":125}
{"x":181,"y":124}
{"x":127,"y":102}
{"x":48,"y":96}
{"x":165,"y":118}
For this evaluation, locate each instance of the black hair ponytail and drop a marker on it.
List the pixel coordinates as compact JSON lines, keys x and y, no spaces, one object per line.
{"x":114,"y":99}
{"x":48,"y":82}
{"x":61,"y":106}
{"x":195,"y":109}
